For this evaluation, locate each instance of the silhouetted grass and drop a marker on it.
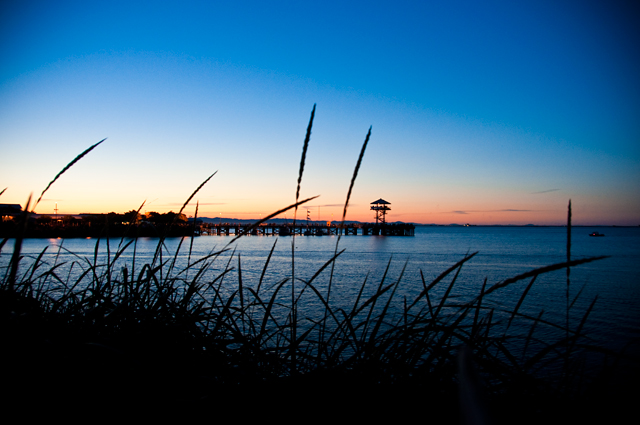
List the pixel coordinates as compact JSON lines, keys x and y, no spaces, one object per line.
{"x":151,"y":334}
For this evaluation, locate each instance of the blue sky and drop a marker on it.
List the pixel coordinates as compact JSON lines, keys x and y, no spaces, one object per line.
{"x":481,"y":113}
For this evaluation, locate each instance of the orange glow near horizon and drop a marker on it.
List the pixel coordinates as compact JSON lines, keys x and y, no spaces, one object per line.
{"x":439,"y":214}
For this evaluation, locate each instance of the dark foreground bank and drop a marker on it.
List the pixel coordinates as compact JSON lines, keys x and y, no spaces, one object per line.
{"x":150,"y":340}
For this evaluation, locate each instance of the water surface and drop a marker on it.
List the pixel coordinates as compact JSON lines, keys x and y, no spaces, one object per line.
{"x":502,"y":252}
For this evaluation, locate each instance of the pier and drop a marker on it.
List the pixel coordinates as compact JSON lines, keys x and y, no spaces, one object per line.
{"x":379,"y":228}
{"x":365,"y":229}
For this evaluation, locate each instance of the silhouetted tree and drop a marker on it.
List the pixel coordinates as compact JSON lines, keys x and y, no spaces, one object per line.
{"x":132,"y":216}
{"x":44,"y":219}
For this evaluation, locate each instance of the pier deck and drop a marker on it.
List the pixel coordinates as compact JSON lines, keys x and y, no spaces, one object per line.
{"x":365,"y":229}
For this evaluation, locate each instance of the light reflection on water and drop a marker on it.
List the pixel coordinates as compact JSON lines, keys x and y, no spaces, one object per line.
{"x":503,"y":252}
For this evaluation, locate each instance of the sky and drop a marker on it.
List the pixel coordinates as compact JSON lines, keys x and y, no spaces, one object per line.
{"x":495,"y":112}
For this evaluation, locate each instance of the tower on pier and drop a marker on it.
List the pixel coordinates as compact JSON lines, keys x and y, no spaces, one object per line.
{"x":381,"y":208}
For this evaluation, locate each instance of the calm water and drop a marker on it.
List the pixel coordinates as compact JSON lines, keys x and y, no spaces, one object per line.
{"x":503,"y":252}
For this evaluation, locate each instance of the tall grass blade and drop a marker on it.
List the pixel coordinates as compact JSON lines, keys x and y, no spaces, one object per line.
{"x":568,"y":260}
{"x":578,"y":330}
{"x":383,"y":314}
{"x":443,"y":300}
{"x":344,"y":215}
{"x":17,"y":246}
{"x":175,"y":218}
{"x":193,"y":231}
{"x":520,"y":301}
{"x":374,"y":299}
{"x":530,"y":335}
{"x":69,"y":165}
{"x":131,"y":224}
{"x":577,"y":296}
{"x":266,"y":263}
{"x":354,"y":309}
{"x":194,"y":194}
{"x":425,"y":291}
{"x":294,"y":319}
{"x":440,"y":277}
{"x":355,"y":175}
{"x":476,"y":327}
{"x":241,"y":291}
{"x":305,"y":146}
{"x":272,"y":300}
{"x":542,"y":270}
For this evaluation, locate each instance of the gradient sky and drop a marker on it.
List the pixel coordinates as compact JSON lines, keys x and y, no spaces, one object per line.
{"x":493,"y":112}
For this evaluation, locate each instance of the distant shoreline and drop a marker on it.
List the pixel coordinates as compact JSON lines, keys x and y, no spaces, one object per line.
{"x":523,"y":225}
{"x":283,"y":221}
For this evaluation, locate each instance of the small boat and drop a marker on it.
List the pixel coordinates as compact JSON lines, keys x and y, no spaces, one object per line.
{"x":596,"y":234}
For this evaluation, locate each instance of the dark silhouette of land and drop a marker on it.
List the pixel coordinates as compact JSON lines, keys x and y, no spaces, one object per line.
{"x":129,"y":224}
